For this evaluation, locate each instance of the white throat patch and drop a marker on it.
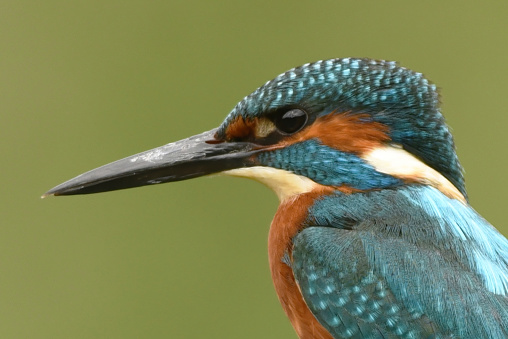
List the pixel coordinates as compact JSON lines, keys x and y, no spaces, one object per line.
{"x":284,"y":183}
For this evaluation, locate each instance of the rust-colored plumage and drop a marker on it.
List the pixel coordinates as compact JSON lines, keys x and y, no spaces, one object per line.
{"x":240,"y":129}
{"x":353,"y":133}
{"x":345,"y":132}
{"x":288,"y":221}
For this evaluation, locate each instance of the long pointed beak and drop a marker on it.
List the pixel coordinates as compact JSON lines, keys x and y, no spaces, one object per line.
{"x":185,"y":159}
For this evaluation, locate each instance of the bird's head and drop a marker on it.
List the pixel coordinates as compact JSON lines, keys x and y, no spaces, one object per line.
{"x":350,"y":124}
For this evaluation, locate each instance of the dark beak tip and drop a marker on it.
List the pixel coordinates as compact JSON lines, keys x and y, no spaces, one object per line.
{"x":51,"y":192}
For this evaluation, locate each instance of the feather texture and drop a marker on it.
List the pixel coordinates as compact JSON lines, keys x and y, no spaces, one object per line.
{"x":402,"y":263}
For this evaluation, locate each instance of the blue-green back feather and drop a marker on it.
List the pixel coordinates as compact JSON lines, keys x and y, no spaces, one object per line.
{"x":441,"y":266}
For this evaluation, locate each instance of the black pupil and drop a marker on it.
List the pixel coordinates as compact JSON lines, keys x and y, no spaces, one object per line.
{"x":291,"y":121}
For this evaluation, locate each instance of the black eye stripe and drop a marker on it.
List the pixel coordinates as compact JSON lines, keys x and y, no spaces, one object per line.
{"x":290,"y":121}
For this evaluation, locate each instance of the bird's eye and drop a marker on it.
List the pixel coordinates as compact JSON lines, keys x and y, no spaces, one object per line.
{"x":291,"y":121}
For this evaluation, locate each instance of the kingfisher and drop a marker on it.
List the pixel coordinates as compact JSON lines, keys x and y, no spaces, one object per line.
{"x":374,"y":236}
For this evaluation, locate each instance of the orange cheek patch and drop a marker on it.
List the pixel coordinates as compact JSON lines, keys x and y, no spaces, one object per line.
{"x":241,"y":128}
{"x":352,"y":133}
{"x":249,"y":129}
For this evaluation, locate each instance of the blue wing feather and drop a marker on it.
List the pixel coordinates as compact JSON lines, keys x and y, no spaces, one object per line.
{"x":406,"y":263}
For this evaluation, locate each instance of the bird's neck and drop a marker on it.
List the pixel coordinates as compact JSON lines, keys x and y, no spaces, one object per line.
{"x":288,"y":221}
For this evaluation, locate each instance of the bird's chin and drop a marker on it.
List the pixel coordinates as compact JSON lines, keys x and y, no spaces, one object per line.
{"x":284,"y":183}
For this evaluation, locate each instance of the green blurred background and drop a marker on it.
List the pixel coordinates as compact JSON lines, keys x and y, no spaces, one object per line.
{"x":83,"y":83}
